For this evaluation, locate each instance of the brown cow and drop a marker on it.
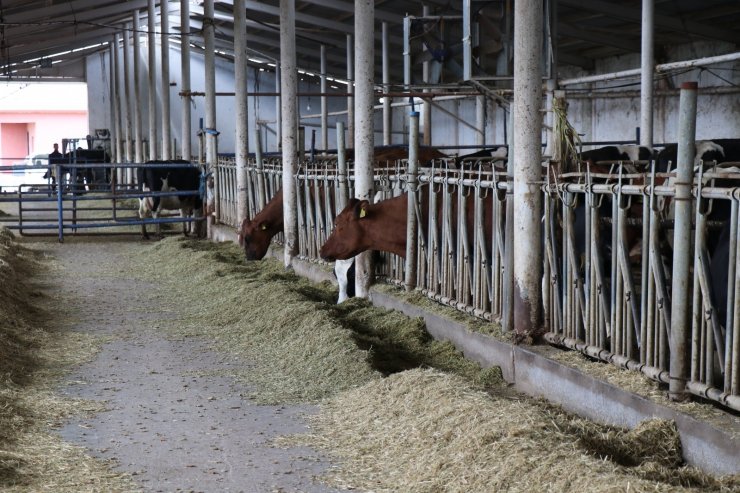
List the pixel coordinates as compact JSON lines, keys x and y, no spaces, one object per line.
{"x":255,"y":234}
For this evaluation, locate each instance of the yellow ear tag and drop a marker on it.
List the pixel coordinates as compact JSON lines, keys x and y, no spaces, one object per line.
{"x":263,"y":227}
{"x":363,"y":212}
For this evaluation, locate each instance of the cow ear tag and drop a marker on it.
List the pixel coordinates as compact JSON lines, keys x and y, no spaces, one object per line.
{"x":263,"y":227}
{"x":363,"y":213}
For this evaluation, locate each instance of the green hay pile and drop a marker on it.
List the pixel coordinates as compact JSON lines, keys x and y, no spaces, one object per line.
{"x":426,"y":431}
{"x":34,"y":352}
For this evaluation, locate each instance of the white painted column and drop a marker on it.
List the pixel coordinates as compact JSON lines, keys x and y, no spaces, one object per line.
{"x":426,"y":105}
{"x":647,"y":63}
{"x":185,"y":124}
{"x":242,"y":113}
{"x":128,"y":103}
{"x":387,"y":111}
{"x":209,"y":38}
{"x":117,"y":147}
{"x":289,"y":110}
{"x":138,"y":129}
{"x":527,"y":167}
{"x":324,"y":110}
{"x":350,"y":91}
{"x":364,"y":129}
{"x":152,"y":40}
{"x":164,"y":13}
{"x":278,"y":111}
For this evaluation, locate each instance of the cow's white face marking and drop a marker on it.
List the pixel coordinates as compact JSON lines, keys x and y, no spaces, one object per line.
{"x":341,"y":268}
{"x":704,"y":146}
{"x":632,"y":151}
{"x":501,"y":152}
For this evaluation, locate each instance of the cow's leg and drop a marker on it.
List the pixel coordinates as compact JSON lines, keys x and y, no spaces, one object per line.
{"x":344,"y":271}
{"x":143,"y":213}
{"x":184,"y":214}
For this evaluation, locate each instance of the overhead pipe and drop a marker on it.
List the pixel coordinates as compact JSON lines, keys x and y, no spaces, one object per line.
{"x":289,"y":116}
{"x":151,"y":22}
{"x":242,"y":111}
{"x":138,"y":129}
{"x":164,"y":13}
{"x":680,"y":334}
{"x":185,"y":120}
{"x":364,"y":141}
{"x":527,"y":167}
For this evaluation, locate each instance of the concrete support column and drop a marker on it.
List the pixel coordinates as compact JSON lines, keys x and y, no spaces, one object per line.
{"x":680,"y":336}
{"x":242,"y":112}
{"x":152,"y":41}
{"x":350,"y":91}
{"x":387,"y":111}
{"x":289,"y":110}
{"x":324,"y":109}
{"x":138,"y":129}
{"x":364,"y":129}
{"x":209,"y":38}
{"x":164,"y":13}
{"x":527,"y":167}
{"x":127,"y":101}
{"x":647,"y":66}
{"x":185,"y":120}
{"x":411,"y":222}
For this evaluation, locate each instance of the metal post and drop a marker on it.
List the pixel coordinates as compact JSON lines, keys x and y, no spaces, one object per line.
{"x":350,"y":90}
{"x":364,"y":129}
{"x":185,"y":120}
{"x":127,"y":99}
{"x":324,"y":109}
{"x":152,"y":40}
{"x":527,"y":168}
{"x":480,"y":120}
{"x":289,"y":110}
{"x":278,"y":111}
{"x":387,"y":111}
{"x":117,"y":137}
{"x":261,"y":190}
{"x":427,"y":105}
{"x":680,"y":317}
{"x":342,"y":166}
{"x":164,"y":13}
{"x":138,"y":144}
{"x":646,"y":78}
{"x":209,"y":36}
{"x":507,"y":320}
{"x":407,"y":53}
{"x":467,"y":41}
{"x":242,"y":111}
{"x":411,"y":220}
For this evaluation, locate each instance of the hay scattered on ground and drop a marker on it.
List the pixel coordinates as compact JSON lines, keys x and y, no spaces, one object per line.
{"x":34,"y":352}
{"x":427,"y":431}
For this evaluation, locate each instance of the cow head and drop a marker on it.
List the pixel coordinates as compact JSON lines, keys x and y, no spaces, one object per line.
{"x":346,"y":240}
{"x":254,"y":237}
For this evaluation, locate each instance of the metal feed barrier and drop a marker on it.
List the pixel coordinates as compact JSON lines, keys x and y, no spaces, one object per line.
{"x":78,"y":205}
{"x":604,"y":293}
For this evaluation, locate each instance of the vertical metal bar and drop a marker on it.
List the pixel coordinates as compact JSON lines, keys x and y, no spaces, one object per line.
{"x":387,"y":110}
{"x":507,"y":321}
{"x":407,"y":53}
{"x":138,"y":129}
{"x":289,"y":110}
{"x":278,"y":110}
{"x":242,"y":111}
{"x":324,"y":110}
{"x":364,"y":129}
{"x":480,"y":120}
{"x":60,"y":202}
{"x":730,"y":364}
{"x":342,"y":165}
{"x":117,"y":132}
{"x":427,"y":105}
{"x":734,"y":371}
{"x":647,"y":64}
{"x":680,"y":322}
{"x":350,"y":91}
{"x":260,"y":166}
{"x":129,"y":104}
{"x":467,"y":41}
{"x":527,"y":169}
{"x":152,"y":110}
{"x":185,"y":124}
{"x":411,"y":219}
{"x":165,"y":62}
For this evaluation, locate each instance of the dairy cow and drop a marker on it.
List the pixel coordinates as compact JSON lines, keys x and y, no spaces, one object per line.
{"x":184,"y":178}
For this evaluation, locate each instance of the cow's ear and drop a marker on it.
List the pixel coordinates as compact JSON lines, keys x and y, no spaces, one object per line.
{"x":361,"y":209}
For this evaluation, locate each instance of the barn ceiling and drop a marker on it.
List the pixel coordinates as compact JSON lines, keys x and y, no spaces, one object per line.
{"x":41,"y":37}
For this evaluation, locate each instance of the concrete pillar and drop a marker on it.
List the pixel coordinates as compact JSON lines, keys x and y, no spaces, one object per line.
{"x":527,"y":168}
{"x":164,"y":13}
{"x":242,"y":112}
{"x":647,"y":66}
{"x":185,"y":120}
{"x":680,"y":336}
{"x":364,"y":129}
{"x":152,"y":40}
{"x":138,"y":129}
{"x":324,"y":109}
{"x":350,"y":90}
{"x":387,"y":111}
{"x":411,"y":222}
{"x":289,"y":110}
{"x":209,"y":36}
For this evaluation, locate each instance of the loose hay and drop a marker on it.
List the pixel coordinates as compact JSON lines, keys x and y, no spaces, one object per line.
{"x":426,"y":431}
{"x":33,"y":353}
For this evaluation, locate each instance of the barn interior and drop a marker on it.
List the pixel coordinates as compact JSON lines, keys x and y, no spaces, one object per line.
{"x":559,"y":257}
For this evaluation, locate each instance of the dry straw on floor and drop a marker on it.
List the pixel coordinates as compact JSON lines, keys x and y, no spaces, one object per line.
{"x":34,"y":352}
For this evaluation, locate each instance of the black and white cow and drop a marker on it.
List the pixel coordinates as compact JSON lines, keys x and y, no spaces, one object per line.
{"x":185,"y":178}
